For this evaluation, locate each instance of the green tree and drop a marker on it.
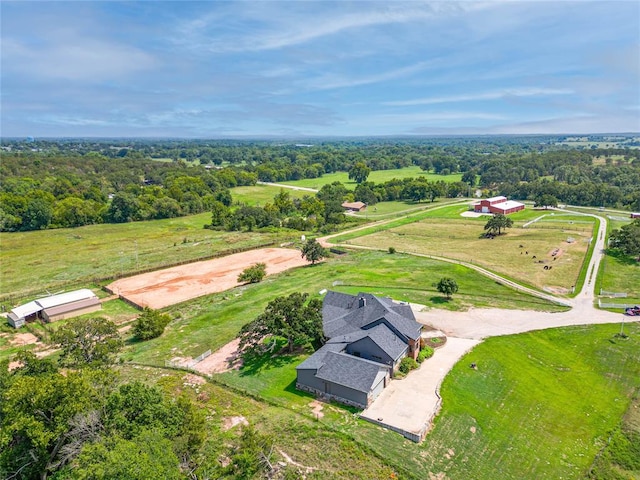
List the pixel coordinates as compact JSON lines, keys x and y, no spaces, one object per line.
{"x":291,"y":318}
{"x":37,"y":409}
{"x":37,"y":215}
{"x":92,"y":341}
{"x":219,"y":214}
{"x":546,"y":201}
{"x":150,"y":324}
{"x":497,"y":223}
{"x":253,"y":274}
{"x":145,"y":457}
{"x":627,"y":239}
{"x":447,"y":286}
{"x":470,"y":177}
{"x":359,"y":172}
{"x":123,"y":208}
{"x":312,"y":251}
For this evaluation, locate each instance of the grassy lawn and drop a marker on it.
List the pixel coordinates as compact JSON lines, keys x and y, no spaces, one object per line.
{"x":540,"y":405}
{"x":259,"y":195}
{"x":377,"y":176}
{"x":212,"y":321}
{"x":47,"y":259}
{"x":444,"y":232}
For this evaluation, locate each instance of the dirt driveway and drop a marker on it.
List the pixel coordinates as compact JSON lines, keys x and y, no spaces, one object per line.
{"x":177,"y":284}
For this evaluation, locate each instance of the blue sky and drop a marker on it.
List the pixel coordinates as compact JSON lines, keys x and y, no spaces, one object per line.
{"x":301,"y":68}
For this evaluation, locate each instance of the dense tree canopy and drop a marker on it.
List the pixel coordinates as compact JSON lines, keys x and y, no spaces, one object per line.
{"x":627,"y":239}
{"x":91,"y":341}
{"x":294,"y":318}
{"x":497,"y":223}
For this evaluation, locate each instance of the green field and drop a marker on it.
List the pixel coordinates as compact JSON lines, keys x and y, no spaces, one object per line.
{"x":619,"y":273}
{"x":212,"y":321}
{"x":540,"y":405}
{"x":259,"y":195}
{"x":443,"y":232}
{"x":377,"y":176}
{"x":31,"y":262}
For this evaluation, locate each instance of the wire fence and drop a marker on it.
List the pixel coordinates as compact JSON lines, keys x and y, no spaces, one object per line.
{"x":604,"y":293}
{"x":601,"y":304}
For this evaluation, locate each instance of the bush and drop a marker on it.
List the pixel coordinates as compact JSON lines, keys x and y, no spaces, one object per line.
{"x":253,"y":274}
{"x":392,"y":250}
{"x":426,"y":352}
{"x":150,"y":324}
{"x":407,"y":364}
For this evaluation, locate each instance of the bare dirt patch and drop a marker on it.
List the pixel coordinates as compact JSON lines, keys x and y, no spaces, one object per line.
{"x":316,"y":409}
{"x":166,"y":287}
{"x":223,"y":360}
{"x":229,"y":422}
{"x":20,"y":339}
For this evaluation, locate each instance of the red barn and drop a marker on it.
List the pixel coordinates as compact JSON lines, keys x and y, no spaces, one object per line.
{"x":498,"y":205}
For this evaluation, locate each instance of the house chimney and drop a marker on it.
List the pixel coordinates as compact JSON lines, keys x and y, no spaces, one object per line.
{"x":362,"y":302}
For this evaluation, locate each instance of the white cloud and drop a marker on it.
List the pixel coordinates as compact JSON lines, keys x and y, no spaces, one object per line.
{"x":474,"y":97}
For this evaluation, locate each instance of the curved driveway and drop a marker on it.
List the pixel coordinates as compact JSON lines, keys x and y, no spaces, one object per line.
{"x":409,"y":405}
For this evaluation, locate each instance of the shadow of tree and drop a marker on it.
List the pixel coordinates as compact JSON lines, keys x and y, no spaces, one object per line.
{"x":267,"y":361}
{"x":440,"y":300}
{"x":621,"y":257}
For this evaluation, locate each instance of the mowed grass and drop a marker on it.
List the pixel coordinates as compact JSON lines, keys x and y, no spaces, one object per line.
{"x":46,"y":259}
{"x":377,"y":176}
{"x":212,"y":321}
{"x":259,"y":195}
{"x":540,"y":405}
{"x":443,"y":232}
{"x":619,"y":273}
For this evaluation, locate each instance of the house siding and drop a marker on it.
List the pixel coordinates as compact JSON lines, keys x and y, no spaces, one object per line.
{"x":367,"y":348}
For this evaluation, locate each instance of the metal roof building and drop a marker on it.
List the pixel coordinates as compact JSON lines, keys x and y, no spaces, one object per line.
{"x":55,"y":307}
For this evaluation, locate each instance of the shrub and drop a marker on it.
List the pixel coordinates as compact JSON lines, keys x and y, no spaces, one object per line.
{"x":254,"y":273}
{"x":407,"y":364}
{"x":150,"y":324}
{"x":426,"y":352}
{"x":392,"y":250}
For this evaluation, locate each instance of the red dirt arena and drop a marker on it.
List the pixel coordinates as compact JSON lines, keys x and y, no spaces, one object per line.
{"x":177,"y":284}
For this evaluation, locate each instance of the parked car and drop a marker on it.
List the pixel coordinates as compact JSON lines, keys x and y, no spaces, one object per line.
{"x":633,"y":311}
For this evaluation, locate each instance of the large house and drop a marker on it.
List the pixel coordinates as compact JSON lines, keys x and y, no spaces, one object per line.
{"x":498,"y":205}
{"x":368,"y":337}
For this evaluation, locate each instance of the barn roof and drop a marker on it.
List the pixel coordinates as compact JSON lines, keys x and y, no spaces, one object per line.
{"x":27,"y":309}
{"x":63,"y":298}
{"x":509,"y":204}
{"x":71,"y":306}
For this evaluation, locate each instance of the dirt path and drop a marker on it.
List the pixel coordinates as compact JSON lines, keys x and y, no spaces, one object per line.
{"x":221,"y":360}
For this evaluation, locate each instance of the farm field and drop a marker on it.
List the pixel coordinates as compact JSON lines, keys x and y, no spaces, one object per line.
{"x":212,"y":321}
{"x":377,"y":176}
{"x":444,"y":232}
{"x":39,"y":260}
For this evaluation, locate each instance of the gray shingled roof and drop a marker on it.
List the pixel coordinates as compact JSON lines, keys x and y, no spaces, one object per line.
{"x":349,"y":371}
{"x":316,"y":360}
{"x":343,"y":315}
{"x":387,"y":341}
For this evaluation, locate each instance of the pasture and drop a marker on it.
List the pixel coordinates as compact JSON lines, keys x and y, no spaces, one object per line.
{"x":376,"y":176}
{"x":212,"y":321}
{"x":32,"y":262}
{"x":445,"y":233}
{"x":259,"y":195}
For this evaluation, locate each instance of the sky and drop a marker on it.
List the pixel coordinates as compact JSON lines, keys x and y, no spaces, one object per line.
{"x":222,"y":69}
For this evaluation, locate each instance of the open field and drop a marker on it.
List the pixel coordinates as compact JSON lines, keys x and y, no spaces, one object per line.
{"x":40,"y":260}
{"x":161,"y":288}
{"x":540,"y":405}
{"x":259,"y":195}
{"x":444,"y":233}
{"x":212,"y":321}
{"x":377,"y":176}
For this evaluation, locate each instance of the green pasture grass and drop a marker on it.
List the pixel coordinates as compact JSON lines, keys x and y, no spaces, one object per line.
{"x":377,"y":176}
{"x":459,"y":238}
{"x":212,"y":321}
{"x":259,"y":195}
{"x":48,"y":259}
{"x":541,"y":405}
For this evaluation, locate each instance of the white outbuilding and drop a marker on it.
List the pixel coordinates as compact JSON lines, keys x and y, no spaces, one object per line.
{"x":55,"y":307}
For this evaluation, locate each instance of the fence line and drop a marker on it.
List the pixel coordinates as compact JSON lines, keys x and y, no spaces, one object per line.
{"x":188,"y":366}
{"x":604,"y":293}
{"x":130,"y":273}
{"x":615,"y":305}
